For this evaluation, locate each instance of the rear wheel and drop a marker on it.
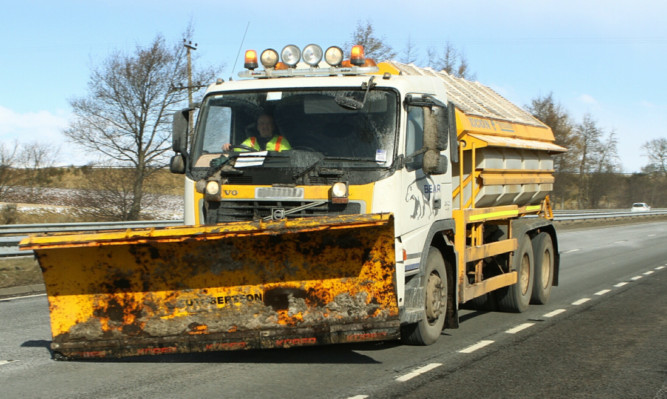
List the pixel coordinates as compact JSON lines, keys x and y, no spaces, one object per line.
{"x":516,"y":298}
{"x":434,"y":284}
{"x":543,"y":250}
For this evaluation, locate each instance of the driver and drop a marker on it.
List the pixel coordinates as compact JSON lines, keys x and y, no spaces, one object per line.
{"x":268,"y":138}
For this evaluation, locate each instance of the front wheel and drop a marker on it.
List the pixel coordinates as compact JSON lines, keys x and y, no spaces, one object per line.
{"x":434,"y":284}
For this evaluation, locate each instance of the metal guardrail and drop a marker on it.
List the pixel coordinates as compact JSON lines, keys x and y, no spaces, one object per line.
{"x":12,"y":234}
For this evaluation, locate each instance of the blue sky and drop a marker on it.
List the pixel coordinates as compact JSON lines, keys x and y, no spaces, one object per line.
{"x":606,"y":58}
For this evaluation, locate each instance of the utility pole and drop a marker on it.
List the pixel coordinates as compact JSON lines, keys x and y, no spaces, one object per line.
{"x":188,"y":45}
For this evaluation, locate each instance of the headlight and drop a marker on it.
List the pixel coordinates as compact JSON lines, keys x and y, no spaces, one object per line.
{"x":333,"y":56}
{"x":312,"y":54}
{"x":212,"y":188}
{"x":339,"y":193}
{"x":290,"y":55}
{"x":269,"y":58}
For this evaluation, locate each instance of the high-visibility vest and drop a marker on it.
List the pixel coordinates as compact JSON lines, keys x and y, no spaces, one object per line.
{"x":277,"y":143}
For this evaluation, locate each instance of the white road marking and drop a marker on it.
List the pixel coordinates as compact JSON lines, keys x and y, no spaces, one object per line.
{"x":618,"y":242}
{"x":417,"y":372}
{"x":635,"y":278}
{"x":554,"y":313}
{"x":520,"y":327}
{"x":651,"y":235}
{"x":621,"y":284}
{"x":648,"y":273}
{"x":21,"y":297}
{"x":572,"y":250}
{"x":602,"y":292}
{"x":3,"y":362}
{"x":476,"y":346}
{"x":582,"y":300}
{"x":358,"y":397}
{"x":659,"y":267}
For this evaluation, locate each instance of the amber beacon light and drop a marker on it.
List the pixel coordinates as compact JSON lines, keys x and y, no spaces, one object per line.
{"x":250,"y":59}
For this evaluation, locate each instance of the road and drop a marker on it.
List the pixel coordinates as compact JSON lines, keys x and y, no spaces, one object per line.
{"x":603,"y":334}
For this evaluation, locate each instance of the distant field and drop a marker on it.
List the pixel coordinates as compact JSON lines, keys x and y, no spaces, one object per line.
{"x":47,"y":198}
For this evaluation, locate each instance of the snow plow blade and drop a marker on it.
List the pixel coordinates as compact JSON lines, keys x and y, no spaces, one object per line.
{"x":242,"y":285}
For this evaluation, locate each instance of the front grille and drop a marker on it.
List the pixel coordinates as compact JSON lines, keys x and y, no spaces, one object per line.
{"x":232,"y":211}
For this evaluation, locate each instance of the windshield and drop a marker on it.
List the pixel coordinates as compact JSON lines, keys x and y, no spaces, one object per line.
{"x":304,"y":120}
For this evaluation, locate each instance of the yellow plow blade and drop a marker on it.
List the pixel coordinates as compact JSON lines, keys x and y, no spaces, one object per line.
{"x":232,"y":286}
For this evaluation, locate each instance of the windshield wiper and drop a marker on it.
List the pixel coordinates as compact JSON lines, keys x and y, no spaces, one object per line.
{"x":352,"y":103}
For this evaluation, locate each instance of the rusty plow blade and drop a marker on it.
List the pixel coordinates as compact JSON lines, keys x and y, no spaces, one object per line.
{"x":232,"y":286}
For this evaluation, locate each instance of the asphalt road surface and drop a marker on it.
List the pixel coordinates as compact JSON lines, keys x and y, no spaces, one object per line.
{"x":603,"y":334}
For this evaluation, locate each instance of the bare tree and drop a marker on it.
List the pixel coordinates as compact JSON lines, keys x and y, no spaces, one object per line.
{"x":450,"y":60}
{"x":110,"y":194}
{"x":553,"y":115}
{"x":409,"y":52}
{"x":8,"y":176}
{"x":37,"y":161}
{"x":125,"y":118}
{"x":374,"y":47}
{"x":24,"y":169}
{"x":656,"y":152}
{"x":598,"y":156}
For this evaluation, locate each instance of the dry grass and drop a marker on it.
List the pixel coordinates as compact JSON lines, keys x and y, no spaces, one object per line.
{"x":78,"y":177}
{"x":19,"y":271}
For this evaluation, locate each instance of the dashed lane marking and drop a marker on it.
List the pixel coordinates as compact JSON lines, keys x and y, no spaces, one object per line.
{"x":648,"y":273}
{"x":418,"y":372}
{"x":3,"y":362}
{"x":581,"y":301}
{"x":599,"y":293}
{"x":358,"y":397}
{"x":520,"y":327}
{"x":635,"y":278}
{"x":572,"y":250}
{"x":659,"y":267}
{"x":554,"y":313}
{"x":621,"y":284}
{"x":21,"y":297}
{"x":476,"y":346}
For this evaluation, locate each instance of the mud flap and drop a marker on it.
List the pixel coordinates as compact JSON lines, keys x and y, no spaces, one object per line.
{"x":225,"y":287}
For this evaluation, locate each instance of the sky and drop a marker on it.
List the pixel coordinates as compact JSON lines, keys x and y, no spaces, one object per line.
{"x":605,"y":58}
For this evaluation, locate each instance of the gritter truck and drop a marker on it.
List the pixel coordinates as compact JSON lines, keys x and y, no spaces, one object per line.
{"x":404,"y":194}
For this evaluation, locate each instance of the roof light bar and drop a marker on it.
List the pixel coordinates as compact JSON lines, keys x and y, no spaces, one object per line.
{"x":312,"y":55}
{"x":290,"y":55}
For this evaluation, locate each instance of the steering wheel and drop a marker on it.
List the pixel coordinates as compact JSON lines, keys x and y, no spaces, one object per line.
{"x":304,"y":148}
{"x":240,"y":146}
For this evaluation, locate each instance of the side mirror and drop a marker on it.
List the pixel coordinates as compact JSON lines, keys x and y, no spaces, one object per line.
{"x":434,"y":163}
{"x":436,"y":128}
{"x":179,"y":142}
{"x":436,"y":136}
{"x":177,"y":164}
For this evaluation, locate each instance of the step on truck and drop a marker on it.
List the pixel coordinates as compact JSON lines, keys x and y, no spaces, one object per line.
{"x":384,"y":198}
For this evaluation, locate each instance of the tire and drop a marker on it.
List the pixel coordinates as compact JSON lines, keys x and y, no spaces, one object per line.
{"x":434,"y":284}
{"x":516,"y":297}
{"x":543,"y":251}
{"x":484,"y":303}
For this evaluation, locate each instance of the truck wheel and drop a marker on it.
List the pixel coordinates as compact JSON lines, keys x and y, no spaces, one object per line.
{"x":543,"y":249}
{"x":516,"y":298}
{"x":434,"y":284}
